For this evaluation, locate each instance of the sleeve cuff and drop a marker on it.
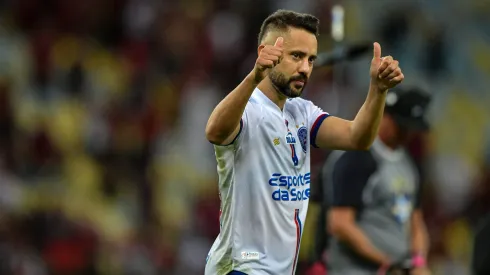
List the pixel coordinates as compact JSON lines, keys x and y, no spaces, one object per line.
{"x":237,"y":135}
{"x":315,"y":128}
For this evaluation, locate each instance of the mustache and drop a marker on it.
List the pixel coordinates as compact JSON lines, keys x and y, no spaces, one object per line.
{"x":301,"y":77}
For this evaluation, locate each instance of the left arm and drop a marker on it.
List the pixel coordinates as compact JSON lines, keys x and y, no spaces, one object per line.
{"x":420,"y":244}
{"x":420,"y":239}
{"x":340,"y":134}
{"x":359,"y":134}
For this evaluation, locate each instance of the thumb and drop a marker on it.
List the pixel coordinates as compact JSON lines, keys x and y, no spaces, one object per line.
{"x":376,"y":51}
{"x":279,"y":42}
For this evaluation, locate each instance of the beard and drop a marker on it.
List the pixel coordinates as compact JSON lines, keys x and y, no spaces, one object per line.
{"x":285,"y":86}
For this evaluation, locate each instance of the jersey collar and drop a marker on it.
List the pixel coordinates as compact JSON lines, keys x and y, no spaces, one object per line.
{"x":262,"y":98}
{"x":386,"y":152}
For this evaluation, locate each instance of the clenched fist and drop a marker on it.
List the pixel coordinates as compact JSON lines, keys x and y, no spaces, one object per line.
{"x":268,"y":58}
{"x":385,"y":72}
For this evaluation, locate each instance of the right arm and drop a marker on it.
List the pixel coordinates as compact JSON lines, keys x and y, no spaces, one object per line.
{"x":343,"y":226}
{"x":350,"y":175}
{"x":224,"y":123}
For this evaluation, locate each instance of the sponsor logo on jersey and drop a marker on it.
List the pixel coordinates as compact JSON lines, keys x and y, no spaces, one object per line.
{"x":250,"y":255}
{"x":290,"y":188}
{"x":290,"y":138}
{"x":276,"y":141}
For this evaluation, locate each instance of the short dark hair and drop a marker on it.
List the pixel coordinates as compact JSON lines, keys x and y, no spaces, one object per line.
{"x":283,"y":19}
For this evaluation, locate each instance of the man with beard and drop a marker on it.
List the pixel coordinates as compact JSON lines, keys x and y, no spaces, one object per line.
{"x":262,"y":132}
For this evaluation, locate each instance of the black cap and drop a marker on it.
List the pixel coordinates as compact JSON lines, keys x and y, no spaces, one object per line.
{"x":408,"y":107}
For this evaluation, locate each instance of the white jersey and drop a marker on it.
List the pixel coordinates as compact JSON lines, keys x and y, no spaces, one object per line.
{"x":264,"y":186}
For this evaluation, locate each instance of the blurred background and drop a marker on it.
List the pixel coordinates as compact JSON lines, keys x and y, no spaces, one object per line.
{"x":104,"y":166}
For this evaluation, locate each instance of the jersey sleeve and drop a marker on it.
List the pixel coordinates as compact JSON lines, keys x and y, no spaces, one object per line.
{"x":315,"y":118}
{"x":238,"y":134}
{"x":247,"y":119}
{"x":350,"y":174}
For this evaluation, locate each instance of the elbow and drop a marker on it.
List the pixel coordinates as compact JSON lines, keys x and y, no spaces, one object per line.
{"x":213,"y":135}
{"x":339,"y":223}
{"x":361,"y":141}
{"x":341,"y":230}
{"x":335,"y":228}
{"x":362,"y":144}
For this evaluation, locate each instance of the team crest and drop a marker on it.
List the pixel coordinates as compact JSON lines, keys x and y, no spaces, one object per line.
{"x":303,"y":137}
{"x":402,"y":208}
{"x":402,"y":201}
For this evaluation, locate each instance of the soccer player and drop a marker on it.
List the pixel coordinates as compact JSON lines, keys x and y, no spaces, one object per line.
{"x":262,"y":132}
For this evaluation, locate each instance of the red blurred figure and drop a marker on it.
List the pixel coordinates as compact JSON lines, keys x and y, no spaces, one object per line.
{"x":317,"y":268}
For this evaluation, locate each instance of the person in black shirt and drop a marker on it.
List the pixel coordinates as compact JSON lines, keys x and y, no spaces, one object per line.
{"x":372,"y":198}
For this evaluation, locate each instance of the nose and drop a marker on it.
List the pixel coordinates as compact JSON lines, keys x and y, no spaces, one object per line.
{"x":304,"y":67}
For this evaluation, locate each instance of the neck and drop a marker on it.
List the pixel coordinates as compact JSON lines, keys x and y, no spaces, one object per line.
{"x":272,"y":93}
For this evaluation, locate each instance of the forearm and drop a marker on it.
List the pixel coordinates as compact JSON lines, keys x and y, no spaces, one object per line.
{"x":365,"y":126}
{"x":226,"y":116}
{"x":420,"y":240}
{"x":353,"y":236}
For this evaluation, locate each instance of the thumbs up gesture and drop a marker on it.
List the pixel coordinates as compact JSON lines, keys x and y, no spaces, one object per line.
{"x":385,"y":72}
{"x":269,"y":57}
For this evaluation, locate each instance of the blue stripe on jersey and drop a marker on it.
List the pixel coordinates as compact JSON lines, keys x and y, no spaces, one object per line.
{"x":236,"y":273}
{"x":299,"y":222}
{"x":239,"y":132}
{"x":315,"y":128}
{"x":236,"y":137}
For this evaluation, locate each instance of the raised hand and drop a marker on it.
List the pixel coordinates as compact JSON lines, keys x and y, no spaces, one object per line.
{"x":269,"y":57}
{"x":385,"y":71}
